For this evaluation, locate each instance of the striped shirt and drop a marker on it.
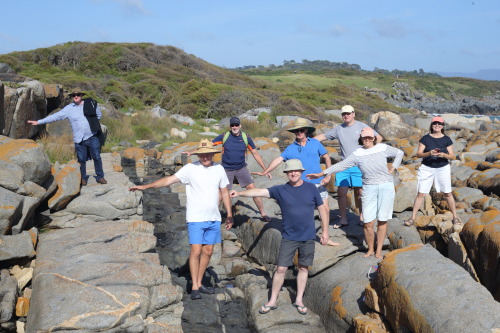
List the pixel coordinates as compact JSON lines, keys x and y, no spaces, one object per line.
{"x":372,"y":162}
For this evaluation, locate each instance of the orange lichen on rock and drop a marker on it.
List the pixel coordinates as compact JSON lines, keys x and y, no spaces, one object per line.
{"x":336,"y":302}
{"x":15,"y":147}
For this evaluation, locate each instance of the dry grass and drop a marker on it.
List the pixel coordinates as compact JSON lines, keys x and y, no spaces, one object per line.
{"x":59,"y":149}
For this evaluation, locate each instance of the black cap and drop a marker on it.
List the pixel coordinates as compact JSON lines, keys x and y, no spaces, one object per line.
{"x":234,"y":120}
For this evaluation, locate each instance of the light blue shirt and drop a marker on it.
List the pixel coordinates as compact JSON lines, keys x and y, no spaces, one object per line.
{"x":78,"y":121}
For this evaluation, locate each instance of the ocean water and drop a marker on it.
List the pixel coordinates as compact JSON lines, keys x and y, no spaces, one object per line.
{"x":497,"y":118}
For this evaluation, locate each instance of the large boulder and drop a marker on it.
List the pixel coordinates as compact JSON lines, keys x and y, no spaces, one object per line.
{"x":11,"y":175}
{"x":18,"y":247}
{"x":419,"y":290}
{"x":406,"y":189}
{"x":11,"y":210}
{"x":8,"y":293}
{"x":487,"y":181}
{"x":105,"y":202}
{"x":334,"y":294}
{"x":68,"y":185}
{"x":390,"y":125}
{"x":401,"y":236}
{"x":481,"y":237}
{"x":102,"y":281}
{"x":28,"y":155}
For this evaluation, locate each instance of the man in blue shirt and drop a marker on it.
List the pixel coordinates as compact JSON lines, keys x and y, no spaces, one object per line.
{"x":297,"y":200}
{"x":308,"y":151}
{"x":86,"y":140}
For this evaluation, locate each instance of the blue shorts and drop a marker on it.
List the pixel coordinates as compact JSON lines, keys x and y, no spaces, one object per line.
{"x":378,"y":202}
{"x":207,"y":232}
{"x":350,"y":178}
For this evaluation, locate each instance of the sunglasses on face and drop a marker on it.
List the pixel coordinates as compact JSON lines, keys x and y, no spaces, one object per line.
{"x":438,"y":123}
{"x":235,"y":125}
{"x":345,"y":114}
{"x":76,"y":95}
{"x":300,"y":130}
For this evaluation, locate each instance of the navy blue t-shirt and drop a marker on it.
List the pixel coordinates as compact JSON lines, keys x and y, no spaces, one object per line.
{"x":233,"y":157}
{"x":297,"y":207}
{"x":431,"y":143}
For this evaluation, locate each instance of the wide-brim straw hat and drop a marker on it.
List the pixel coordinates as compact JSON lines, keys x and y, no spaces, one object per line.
{"x":302,"y":123}
{"x":76,"y":91}
{"x":205,"y":147}
{"x":293,"y":164}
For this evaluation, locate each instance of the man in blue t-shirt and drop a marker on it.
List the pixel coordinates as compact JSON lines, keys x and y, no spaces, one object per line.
{"x":298,"y":200}
{"x":309,"y":151}
{"x":233,"y":159}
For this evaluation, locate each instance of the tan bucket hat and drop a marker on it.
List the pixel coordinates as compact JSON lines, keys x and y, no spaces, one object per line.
{"x":302,"y":123}
{"x":293,"y":164}
{"x":205,"y":147}
{"x":76,"y":91}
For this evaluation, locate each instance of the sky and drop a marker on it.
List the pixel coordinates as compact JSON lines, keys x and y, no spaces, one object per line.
{"x":433,"y":35}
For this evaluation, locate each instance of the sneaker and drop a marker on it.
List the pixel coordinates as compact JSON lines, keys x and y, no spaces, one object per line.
{"x":195,"y":294}
{"x":102,"y":181}
{"x":84,"y":182}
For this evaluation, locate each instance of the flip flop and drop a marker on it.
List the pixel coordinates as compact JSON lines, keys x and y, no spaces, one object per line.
{"x":267,"y":309}
{"x":300,"y":309}
{"x":338,"y":226}
{"x":266,"y":218}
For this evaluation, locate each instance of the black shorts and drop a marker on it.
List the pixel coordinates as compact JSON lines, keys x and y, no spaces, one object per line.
{"x":288,"y":248}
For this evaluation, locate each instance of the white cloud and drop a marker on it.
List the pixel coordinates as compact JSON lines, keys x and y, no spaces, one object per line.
{"x":389,"y":28}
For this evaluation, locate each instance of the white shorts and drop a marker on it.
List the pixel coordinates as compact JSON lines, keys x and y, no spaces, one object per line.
{"x":378,"y":202}
{"x":441,"y":177}
{"x":322,"y":191}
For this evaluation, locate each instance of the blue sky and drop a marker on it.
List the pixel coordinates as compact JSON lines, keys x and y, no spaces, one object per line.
{"x":438,"y":35}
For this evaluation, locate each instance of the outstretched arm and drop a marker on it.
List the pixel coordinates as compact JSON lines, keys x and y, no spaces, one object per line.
{"x":260,"y":162}
{"x":162,"y":182}
{"x":252,"y":193}
{"x":320,"y":137}
{"x":271,"y":166}
{"x":328,"y":163}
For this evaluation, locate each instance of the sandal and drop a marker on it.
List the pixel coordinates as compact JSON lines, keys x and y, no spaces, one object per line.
{"x":338,"y":225}
{"x":300,"y":308}
{"x":266,"y":218}
{"x":267,"y":308}
{"x":409,"y":222}
{"x":457,"y":221}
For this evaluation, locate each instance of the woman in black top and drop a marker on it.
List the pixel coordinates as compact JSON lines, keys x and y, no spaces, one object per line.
{"x":435,"y":149}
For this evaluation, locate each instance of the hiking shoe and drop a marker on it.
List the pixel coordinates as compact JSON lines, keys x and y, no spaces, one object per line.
{"x":207,"y":290}
{"x":84,"y":182}
{"x":102,"y":181}
{"x":195,"y":294}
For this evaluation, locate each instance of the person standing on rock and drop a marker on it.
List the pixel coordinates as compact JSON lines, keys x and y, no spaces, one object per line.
{"x":235,"y":144}
{"x":297,"y":200}
{"x":83,"y":115}
{"x":436,"y":150}
{"x":204,"y":180}
{"x":347,"y":134}
{"x":378,"y":185}
{"x":308,"y":151}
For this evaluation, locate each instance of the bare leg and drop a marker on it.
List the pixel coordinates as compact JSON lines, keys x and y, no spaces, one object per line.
{"x":342,"y":197}
{"x":417,"y":203}
{"x":301,"y":285}
{"x":327,"y":206}
{"x":451,"y":203}
{"x":381,"y":233}
{"x":278,"y":279}
{"x":358,"y":191}
{"x":369,"y":238}
{"x":198,"y":262}
{"x":258,"y":201}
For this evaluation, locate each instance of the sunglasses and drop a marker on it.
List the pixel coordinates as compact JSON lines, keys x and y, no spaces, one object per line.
{"x":438,"y":123}
{"x":344,"y":114}
{"x":75,"y":95}
{"x":235,"y":125}
{"x":300,"y":130}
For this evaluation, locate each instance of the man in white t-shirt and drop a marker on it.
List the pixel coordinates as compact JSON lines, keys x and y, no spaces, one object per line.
{"x":203,"y":181}
{"x":347,"y":134}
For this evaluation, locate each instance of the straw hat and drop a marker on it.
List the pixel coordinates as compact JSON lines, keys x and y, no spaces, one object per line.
{"x":205,"y":147}
{"x":76,"y":91}
{"x":302,"y":123}
{"x":293,"y":164}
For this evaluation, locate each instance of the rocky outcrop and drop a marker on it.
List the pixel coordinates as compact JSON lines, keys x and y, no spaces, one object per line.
{"x":68,"y":185}
{"x":419,"y":290}
{"x":114,"y":284}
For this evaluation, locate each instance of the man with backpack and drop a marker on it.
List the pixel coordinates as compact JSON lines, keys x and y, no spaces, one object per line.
{"x":83,"y":116}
